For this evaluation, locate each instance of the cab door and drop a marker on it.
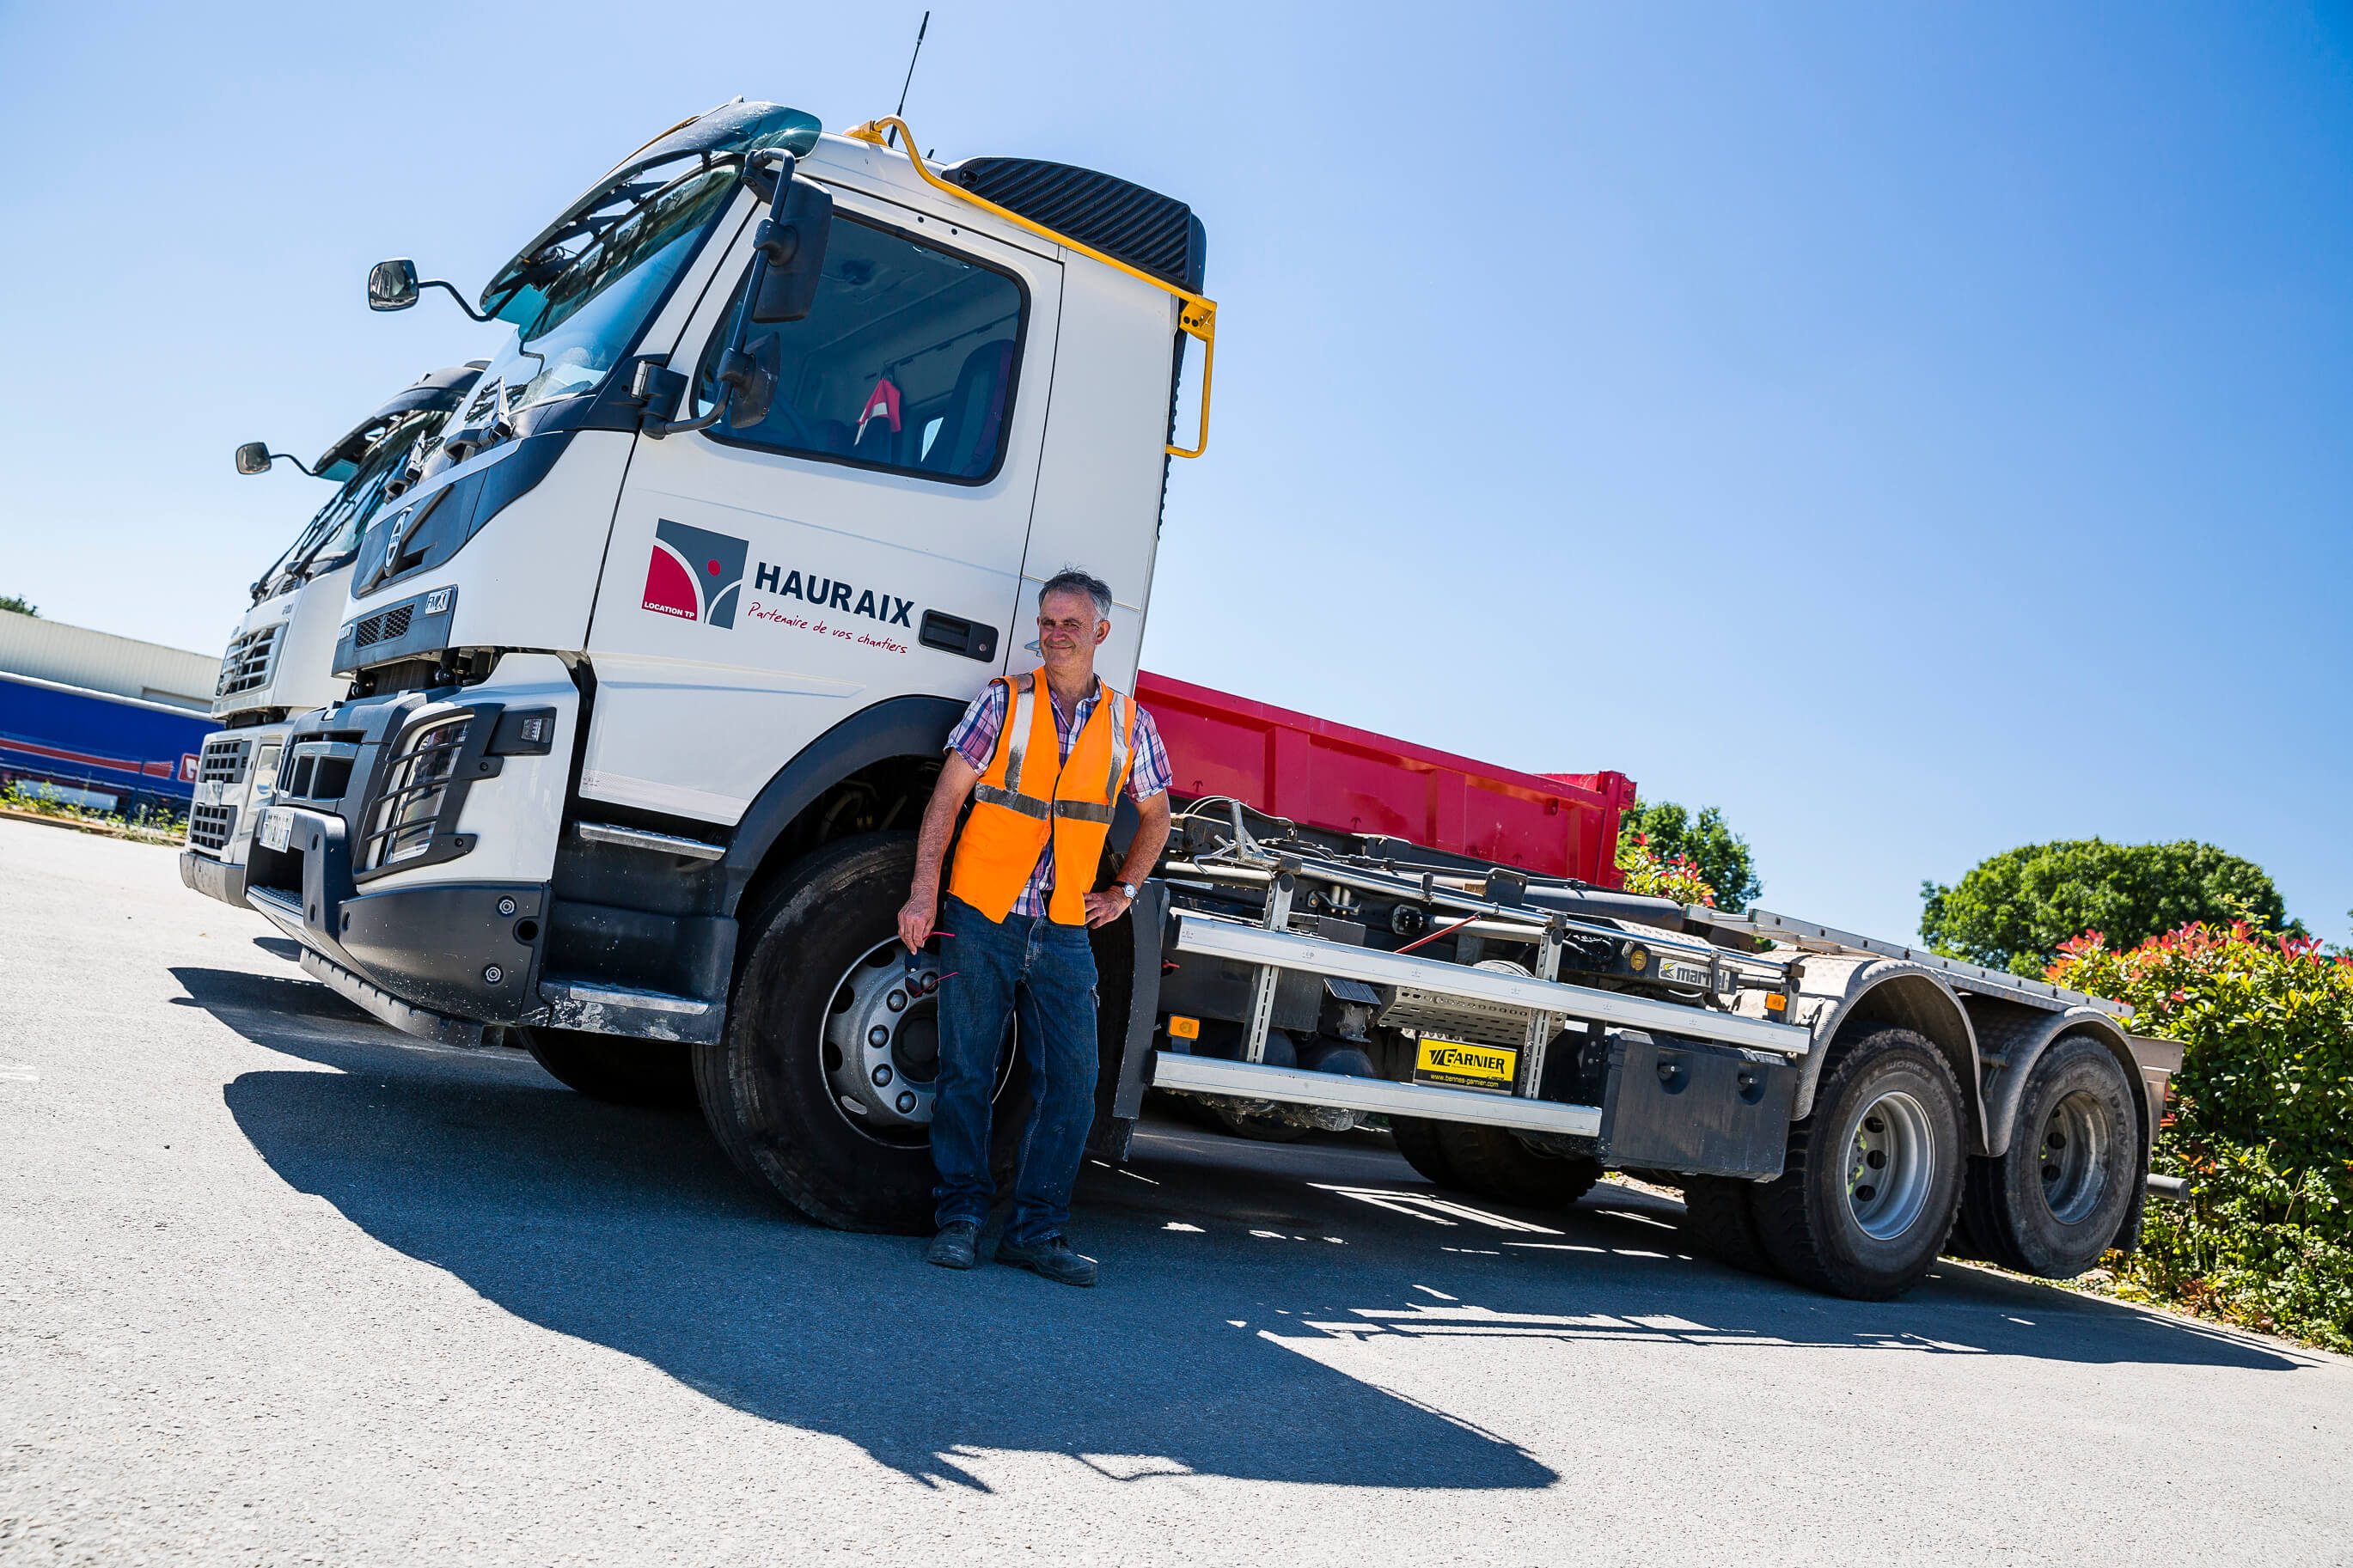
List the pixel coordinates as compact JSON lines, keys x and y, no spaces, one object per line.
{"x":863,"y":541}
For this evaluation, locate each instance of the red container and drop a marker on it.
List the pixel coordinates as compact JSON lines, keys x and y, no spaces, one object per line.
{"x":1322,"y":775}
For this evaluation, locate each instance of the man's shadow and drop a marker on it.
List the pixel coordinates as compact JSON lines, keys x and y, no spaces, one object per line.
{"x":628,"y":1228}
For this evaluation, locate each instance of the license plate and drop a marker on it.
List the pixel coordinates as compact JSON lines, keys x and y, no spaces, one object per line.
{"x":1453,"y":1065}
{"x":276,"y":826}
{"x":1675,"y":974}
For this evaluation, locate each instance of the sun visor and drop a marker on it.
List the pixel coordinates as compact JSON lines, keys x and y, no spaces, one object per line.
{"x":732,"y":128}
{"x":434,"y":390}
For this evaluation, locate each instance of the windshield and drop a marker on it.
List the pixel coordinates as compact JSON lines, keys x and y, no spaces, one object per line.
{"x":333,"y":532}
{"x":593,"y":287}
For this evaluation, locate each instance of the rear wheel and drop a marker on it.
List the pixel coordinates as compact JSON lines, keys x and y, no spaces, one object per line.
{"x":1491,"y":1162}
{"x":1874,"y":1175}
{"x":616,"y":1069}
{"x":1722,"y":1223}
{"x":2054,"y":1202}
{"x":822,"y":1086}
{"x":1417,"y":1139}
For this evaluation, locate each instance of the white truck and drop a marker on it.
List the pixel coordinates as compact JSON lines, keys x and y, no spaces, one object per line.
{"x":280,"y":662}
{"x":654,"y":654}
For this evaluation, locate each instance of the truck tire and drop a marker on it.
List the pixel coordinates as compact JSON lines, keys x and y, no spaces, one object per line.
{"x":610,"y":1067}
{"x":764,"y":1084}
{"x":1722,"y":1222}
{"x":1417,"y":1139}
{"x":1489,"y":1162}
{"x":2053,"y":1202}
{"x":1873,"y":1177}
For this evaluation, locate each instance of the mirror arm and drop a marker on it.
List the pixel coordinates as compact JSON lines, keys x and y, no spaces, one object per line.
{"x":452,"y":290}
{"x":764,"y":184}
{"x":277,"y":456}
{"x":656,"y":430}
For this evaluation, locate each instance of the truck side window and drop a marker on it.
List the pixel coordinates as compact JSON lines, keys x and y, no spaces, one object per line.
{"x":907,"y":361}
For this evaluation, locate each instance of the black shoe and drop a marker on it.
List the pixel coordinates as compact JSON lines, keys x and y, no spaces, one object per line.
{"x":957,"y":1246}
{"x":1051,"y":1257}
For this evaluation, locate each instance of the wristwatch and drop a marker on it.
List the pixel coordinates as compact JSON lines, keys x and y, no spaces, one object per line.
{"x":1131,"y":890}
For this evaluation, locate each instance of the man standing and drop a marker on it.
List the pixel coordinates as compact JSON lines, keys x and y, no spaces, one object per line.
{"x":1044,"y":756}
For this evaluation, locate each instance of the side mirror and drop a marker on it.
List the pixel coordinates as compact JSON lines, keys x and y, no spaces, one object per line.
{"x":791,"y":248}
{"x":253,"y":458}
{"x":392,"y":285}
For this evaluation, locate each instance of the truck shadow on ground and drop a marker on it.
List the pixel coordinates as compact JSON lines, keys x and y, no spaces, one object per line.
{"x":628,"y":1230}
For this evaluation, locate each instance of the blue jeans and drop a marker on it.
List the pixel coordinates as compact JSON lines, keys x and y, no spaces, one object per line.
{"x":1045,"y":974}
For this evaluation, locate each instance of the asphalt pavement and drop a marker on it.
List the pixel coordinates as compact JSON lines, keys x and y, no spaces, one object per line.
{"x":281,"y":1285}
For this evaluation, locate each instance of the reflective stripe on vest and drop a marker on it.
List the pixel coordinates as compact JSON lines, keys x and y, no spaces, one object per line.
{"x":1019,"y":809}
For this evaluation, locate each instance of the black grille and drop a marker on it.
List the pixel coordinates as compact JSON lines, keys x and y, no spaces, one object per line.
{"x":384,"y":626}
{"x":212,"y":826}
{"x":1156,"y":234}
{"x":247,"y":664}
{"x":222,"y":762}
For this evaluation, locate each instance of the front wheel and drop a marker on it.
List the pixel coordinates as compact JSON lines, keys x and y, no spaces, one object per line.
{"x":2054,"y":1202}
{"x":820,"y":1087}
{"x":1874,"y":1175}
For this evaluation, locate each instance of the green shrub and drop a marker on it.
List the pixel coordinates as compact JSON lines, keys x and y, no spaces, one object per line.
{"x":2260,"y":1122}
{"x":1719,"y":857}
{"x":1657,"y":876}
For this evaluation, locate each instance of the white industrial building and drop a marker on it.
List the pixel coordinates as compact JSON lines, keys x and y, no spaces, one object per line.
{"x":101,"y":661}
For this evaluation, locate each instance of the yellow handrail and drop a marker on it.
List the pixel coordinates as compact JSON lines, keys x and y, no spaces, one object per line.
{"x":1196,"y":314}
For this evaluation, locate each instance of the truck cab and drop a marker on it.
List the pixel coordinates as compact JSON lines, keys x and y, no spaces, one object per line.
{"x":277,"y":665}
{"x":613,"y":677}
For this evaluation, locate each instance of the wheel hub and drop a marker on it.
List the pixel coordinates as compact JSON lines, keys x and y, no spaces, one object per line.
{"x":2072,"y":1156}
{"x":882,"y":1039}
{"x":1890,"y":1164}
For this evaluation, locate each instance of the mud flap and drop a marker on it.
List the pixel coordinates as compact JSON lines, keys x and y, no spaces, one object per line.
{"x":1702,"y":1109}
{"x":1127,"y":966}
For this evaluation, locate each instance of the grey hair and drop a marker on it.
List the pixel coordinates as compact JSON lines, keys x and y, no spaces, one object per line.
{"x":1071,"y":580}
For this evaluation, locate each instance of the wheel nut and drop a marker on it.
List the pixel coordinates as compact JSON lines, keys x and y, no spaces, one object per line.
{"x":906,"y":1102}
{"x":506,"y":905}
{"x":882,"y":1076}
{"x":896,"y":1001}
{"x":493,"y":975}
{"x":878,"y":1036}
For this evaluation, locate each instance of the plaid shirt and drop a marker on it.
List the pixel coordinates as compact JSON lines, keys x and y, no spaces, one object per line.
{"x":975,"y":738}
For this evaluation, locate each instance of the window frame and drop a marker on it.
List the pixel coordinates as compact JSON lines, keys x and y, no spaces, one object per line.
{"x":727,"y":437}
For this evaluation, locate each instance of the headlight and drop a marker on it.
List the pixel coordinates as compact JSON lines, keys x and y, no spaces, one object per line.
{"x":415,"y":786}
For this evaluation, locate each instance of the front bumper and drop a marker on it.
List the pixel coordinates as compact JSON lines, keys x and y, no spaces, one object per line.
{"x":214,"y":879}
{"x":467,"y":950}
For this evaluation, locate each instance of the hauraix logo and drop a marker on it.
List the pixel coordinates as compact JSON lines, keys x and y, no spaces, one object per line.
{"x":695,"y":575}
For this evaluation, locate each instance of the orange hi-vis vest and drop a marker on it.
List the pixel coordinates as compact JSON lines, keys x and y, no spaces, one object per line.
{"x":1030,"y":793}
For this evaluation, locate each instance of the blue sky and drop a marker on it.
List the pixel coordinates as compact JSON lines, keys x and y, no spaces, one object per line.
{"x":1916,"y":430}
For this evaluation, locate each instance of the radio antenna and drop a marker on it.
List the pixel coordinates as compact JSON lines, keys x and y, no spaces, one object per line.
{"x":902,"y":110}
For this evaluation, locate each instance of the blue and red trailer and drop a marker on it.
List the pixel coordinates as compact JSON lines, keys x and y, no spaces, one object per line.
{"x":97,"y":748}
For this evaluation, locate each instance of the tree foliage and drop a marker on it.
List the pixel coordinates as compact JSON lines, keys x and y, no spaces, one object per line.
{"x":22,"y":606}
{"x":1690,"y":849}
{"x":2014,"y":911}
{"x":2260,"y":1121}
